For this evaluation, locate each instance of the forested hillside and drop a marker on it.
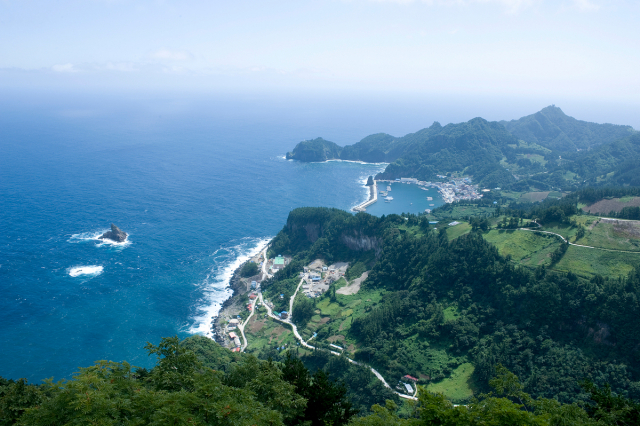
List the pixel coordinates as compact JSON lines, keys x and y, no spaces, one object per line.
{"x":553,"y":129}
{"x":475,"y":147}
{"x":536,"y":347}
{"x":619,"y":162}
{"x":543,"y":151}
{"x":464,"y":301}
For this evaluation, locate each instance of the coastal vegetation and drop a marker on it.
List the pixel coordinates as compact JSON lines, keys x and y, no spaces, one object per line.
{"x":249,"y":269}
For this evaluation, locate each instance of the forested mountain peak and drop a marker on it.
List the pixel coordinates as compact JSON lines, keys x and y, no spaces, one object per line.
{"x":553,"y":129}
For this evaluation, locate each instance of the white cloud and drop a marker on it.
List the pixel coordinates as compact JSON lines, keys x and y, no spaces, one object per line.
{"x":172,"y":55}
{"x":511,"y":6}
{"x":121,"y":66}
{"x":64,"y":68}
{"x":586,"y":5}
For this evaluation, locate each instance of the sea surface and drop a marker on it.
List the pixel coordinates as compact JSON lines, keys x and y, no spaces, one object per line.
{"x":199,"y":184}
{"x":407,"y":198}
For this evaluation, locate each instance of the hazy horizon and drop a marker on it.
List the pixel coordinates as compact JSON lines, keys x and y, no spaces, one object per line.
{"x":580,"y":50}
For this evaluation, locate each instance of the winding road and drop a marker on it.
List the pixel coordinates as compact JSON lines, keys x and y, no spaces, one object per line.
{"x":294,"y":328}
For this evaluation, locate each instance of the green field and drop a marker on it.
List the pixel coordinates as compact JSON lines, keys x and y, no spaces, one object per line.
{"x":532,"y":197}
{"x":456,"y":231}
{"x":534,"y":158}
{"x":525,"y":247}
{"x":262,"y":331}
{"x":587,"y":262}
{"x":458,"y":387}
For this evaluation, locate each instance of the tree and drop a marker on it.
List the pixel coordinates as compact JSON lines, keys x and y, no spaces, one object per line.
{"x":249,"y":269}
{"x":327,"y":402}
{"x":176,"y":365}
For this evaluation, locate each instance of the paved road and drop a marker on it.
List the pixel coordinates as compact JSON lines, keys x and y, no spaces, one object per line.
{"x":241,"y":326}
{"x":294,"y":328}
{"x":308,"y":346}
{"x":253,"y":302}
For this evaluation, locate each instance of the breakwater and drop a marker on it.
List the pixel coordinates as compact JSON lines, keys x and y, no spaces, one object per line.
{"x":373,"y":197}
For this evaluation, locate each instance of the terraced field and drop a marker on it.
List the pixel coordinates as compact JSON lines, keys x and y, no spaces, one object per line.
{"x":527,"y":248}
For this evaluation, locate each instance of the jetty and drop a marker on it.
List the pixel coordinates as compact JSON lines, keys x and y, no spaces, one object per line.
{"x":373,"y":197}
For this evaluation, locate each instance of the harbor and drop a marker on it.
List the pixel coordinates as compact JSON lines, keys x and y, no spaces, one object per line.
{"x":409,"y":195}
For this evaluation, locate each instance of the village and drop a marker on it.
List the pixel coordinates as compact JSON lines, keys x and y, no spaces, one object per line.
{"x":316,"y":279}
{"x":456,"y":189}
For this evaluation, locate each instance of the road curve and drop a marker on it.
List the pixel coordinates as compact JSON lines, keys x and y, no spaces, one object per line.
{"x":574,"y":244}
{"x":294,"y":328}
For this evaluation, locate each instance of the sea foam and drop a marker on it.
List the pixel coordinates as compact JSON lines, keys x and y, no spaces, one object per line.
{"x":216,"y":284}
{"x":93,"y":270}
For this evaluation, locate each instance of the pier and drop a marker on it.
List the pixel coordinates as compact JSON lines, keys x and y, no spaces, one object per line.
{"x":373,"y":197}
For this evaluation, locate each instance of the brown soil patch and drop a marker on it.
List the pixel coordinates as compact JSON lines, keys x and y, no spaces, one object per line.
{"x":256,"y":326}
{"x":277,"y":333}
{"x":336,"y":338}
{"x":612,"y":205}
{"x":626,"y":229}
{"x":325,"y":320}
{"x":351,"y":348}
{"x":354,"y":287}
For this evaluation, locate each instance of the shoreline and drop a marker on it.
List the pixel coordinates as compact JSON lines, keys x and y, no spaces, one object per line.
{"x":232,"y":307}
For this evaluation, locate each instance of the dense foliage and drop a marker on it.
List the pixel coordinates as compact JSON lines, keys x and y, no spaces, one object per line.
{"x":552,"y":329}
{"x":249,"y":269}
{"x":544,"y":151}
{"x":315,"y":150}
{"x":553,"y":129}
{"x":180,"y":390}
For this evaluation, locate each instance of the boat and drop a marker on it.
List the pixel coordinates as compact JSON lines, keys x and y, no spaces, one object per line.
{"x":388,"y":199}
{"x":388,"y":187}
{"x":429,"y":198}
{"x":431,"y":205}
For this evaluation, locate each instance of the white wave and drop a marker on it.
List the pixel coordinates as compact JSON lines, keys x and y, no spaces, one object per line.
{"x":95,"y":236}
{"x":93,"y":270}
{"x":357,"y":162}
{"x":216,"y":284}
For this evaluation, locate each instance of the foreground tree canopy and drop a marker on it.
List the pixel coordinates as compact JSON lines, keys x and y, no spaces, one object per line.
{"x":182,"y":390}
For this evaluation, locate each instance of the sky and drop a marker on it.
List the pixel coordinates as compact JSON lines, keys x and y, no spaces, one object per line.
{"x":583,"y":50}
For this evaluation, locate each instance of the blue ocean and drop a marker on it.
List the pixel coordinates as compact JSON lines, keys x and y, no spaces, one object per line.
{"x":198,"y":183}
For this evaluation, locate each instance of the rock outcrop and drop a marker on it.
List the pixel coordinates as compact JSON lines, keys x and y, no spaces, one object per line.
{"x":114,"y":235}
{"x":370,"y":181}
